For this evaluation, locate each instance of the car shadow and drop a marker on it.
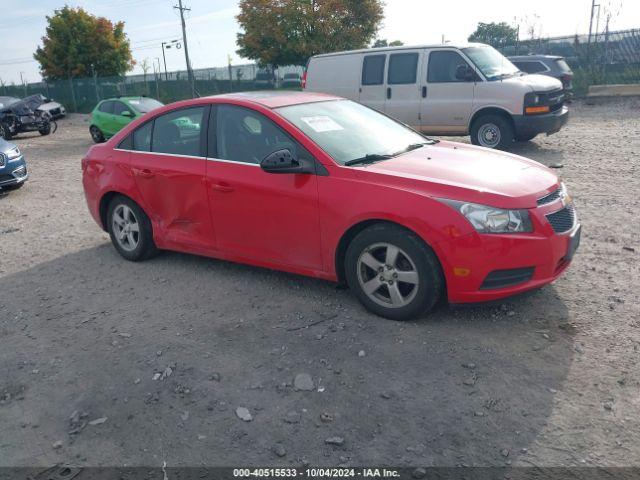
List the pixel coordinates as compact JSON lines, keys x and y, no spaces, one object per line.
{"x":90,"y":332}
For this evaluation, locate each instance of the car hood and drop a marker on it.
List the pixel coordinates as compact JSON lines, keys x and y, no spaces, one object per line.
{"x":49,"y":106}
{"x":537,"y":83}
{"x":469,"y":173}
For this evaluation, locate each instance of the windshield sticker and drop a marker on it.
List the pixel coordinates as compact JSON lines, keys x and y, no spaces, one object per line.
{"x":322,"y":123}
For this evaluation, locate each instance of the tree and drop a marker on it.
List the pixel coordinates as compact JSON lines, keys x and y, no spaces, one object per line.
{"x":279,"y":32}
{"x":495,"y":34}
{"x":382,"y":42}
{"x":76,"y":41}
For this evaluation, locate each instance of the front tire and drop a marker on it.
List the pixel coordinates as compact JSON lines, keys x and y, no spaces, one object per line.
{"x":492,"y":131}
{"x":5,"y":132}
{"x":130,"y":230}
{"x":393,"y":273}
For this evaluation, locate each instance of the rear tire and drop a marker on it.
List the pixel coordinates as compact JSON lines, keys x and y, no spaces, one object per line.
{"x":492,"y":131}
{"x":45,"y":130}
{"x":96,"y":134}
{"x":5,"y":132}
{"x":393,"y":272}
{"x":130,"y":230}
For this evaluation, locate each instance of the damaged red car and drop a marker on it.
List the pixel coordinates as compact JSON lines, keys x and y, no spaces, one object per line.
{"x":321,"y":186}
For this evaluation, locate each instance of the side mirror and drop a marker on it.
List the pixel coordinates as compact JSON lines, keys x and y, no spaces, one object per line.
{"x":126,"y":113}
{"x":465,"y":73}
{"x":283,"y":161}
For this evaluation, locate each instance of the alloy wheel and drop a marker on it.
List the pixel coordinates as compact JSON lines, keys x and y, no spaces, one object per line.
{"x":126,"y":227}
{"x":388,"y":275}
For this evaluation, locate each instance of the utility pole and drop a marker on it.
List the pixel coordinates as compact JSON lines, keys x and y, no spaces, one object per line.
{"x":24,"y":85}
{"x":593,"y":8}
{"x":186,"y":48}
{"x":164,"y":58}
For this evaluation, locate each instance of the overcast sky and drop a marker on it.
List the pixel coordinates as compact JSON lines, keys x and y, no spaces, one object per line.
{"x":212,"y":28}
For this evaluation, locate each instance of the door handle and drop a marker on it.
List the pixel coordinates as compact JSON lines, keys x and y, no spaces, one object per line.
{"x":424,"y":92}
{"x":144,"y":173}
{"x":223,"y":187}
{"x":388,"y":92}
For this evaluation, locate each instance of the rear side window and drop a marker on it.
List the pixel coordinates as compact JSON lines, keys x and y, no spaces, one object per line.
{"x":562,"y":65}
{"x":373,"y":69}
{"x":443,"y":66}
{"x":403,"y":68}
{"x":106,"y":107}
{"x":142,"y":138}
{"x":530,"y":67}
{"x":178,"y":132}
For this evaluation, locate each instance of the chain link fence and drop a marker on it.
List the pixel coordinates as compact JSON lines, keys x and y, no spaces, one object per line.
{"x":82,"y":94}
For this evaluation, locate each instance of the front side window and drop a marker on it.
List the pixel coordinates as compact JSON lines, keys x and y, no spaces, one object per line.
{"x":373,"y":69}
{"x":443,"y":67}
{"x":178,"y":132}
{"x":119,"y":107}
{"x":530,"y":67}
{"x":347,"y":130}
{"x":403,"y":68}
{"x":246,"y":136}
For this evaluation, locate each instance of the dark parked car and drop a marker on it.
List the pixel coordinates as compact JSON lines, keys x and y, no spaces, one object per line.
{"x":265,"y":80}
{"x":291,"y":80}
{"x":17,"y":117}
{"x":550,"y":65}
{"x":13,"y":168}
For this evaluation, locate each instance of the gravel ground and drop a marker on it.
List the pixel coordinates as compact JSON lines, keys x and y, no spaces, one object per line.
{"x":106,"y":362}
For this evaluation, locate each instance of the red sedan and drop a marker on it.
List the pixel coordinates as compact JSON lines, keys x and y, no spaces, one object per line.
{"x":321,"y":186}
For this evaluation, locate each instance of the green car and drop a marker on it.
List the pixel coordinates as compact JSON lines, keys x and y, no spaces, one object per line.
{"x":111,"y":115}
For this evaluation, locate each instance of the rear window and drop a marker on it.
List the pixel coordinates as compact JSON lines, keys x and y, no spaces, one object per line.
{"x":563,"y":65}
{"x":373,"y":69}
{"x":403,"y":68}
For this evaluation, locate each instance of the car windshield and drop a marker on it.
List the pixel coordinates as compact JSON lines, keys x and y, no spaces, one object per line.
{"x":350,"y":132}
{"x":144,"y":105}
{"x":491,"y":62}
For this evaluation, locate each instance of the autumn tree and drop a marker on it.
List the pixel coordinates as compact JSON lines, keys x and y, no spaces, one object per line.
{"x":77,"y":44}
{"x":495,"y":34}
{"x":288,"y":32}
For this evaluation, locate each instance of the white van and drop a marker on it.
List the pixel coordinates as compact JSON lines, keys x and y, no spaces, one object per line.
{"x":445,"y":90}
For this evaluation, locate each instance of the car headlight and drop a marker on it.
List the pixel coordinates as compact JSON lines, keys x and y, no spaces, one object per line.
{"x":13,"y":153}
{"x":486,"y":219}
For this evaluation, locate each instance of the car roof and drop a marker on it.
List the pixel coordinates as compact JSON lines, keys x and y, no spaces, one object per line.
{"x":401,"y":47}
{"x":126,"y":99}
{"x":274,"y":98}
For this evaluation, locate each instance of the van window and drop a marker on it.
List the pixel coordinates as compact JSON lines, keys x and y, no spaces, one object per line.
{"x":530,"y":67}
{"x":443,"y":66}
{"x":373,"y":69}
{"x":402,"y":68}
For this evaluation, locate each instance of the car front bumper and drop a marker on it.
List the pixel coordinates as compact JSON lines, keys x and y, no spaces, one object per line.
{"x":548,"y":123}
{"x":486,"y":267}
{"x":13,"y":172}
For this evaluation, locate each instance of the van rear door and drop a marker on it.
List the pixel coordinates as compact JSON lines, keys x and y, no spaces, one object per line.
{"x":372,"y":87}
{"x":446,"y":95}
{"x":402,"y":94}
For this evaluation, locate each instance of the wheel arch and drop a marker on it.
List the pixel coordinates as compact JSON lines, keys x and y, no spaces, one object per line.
{"x":355,"y":229}
{"x":106,"y":199}
{"x":491,"y":111}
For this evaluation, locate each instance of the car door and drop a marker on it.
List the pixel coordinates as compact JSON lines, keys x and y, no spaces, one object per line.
{"x":402,"y":99}
{"x":372,"y":89}
{"x":122,"y":115}
{"x":266,"y":217}
{"x":168,"y":163}
{"x":447,"y":99}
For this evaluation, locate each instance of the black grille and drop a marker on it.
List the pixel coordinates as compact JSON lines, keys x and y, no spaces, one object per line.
{"x":551,"y":197}
{"x":507,"y":278}
{"x":2,"y":160}
{"x":562,"y":220}
{"x":54,"y":111}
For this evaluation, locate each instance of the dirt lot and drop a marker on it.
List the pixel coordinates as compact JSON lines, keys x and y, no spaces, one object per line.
{"x":548,"y":379}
